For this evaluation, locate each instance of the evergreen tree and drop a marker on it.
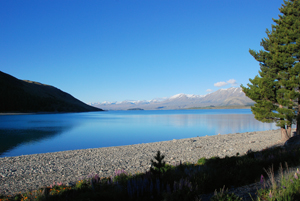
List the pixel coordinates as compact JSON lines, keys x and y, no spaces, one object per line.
{"x":158,"y":167}
{"x":276,"y":89}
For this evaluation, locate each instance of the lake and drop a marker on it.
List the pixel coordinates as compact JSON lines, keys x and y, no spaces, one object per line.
{"x":42,"y":133}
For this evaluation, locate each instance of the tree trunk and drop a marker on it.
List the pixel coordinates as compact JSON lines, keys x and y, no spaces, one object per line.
{"x":298,"y":128}
{"x":298,"y":119}
{"x":284,"y":135}
{"x":289,"y":131}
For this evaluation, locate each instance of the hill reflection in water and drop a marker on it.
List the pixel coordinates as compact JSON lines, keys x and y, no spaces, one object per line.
{"x":220,"y":123}
{"x":11,"y":138}
{"x":30,"y":134}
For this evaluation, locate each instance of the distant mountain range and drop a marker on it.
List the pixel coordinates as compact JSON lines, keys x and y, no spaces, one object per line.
{"x":222,"y":97}
{"x":28,"y":96}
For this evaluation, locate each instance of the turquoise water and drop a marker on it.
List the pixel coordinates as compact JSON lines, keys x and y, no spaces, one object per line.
{"x":41,"y":133}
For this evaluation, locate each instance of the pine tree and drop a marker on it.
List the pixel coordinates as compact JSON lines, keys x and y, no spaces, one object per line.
{"x":276,"y":89}
{"x":157,"y":168}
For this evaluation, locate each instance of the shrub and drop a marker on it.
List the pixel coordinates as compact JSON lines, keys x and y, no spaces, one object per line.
{"x":201,"y":161}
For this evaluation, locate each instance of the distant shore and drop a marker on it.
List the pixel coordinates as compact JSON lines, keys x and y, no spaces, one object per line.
{"x":12,"y":113}
{"x":130,"y":109}
{"x":30,"y":172}
{"x":29,"y":113}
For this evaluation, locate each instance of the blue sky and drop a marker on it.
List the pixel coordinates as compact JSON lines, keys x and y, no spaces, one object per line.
{"x":114,"y":50}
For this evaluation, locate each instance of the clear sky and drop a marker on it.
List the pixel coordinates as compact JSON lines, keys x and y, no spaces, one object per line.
{"x":115,"y":50}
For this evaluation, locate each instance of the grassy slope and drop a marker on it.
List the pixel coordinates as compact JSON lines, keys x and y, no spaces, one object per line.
{"x":28,"y":96}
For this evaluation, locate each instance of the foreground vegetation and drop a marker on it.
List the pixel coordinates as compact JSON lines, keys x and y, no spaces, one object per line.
{"x":185,"y":181}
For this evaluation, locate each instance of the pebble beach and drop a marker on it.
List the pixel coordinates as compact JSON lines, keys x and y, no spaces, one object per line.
{"x":30,"y":172}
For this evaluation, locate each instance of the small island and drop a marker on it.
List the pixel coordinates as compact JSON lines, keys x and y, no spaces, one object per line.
{"x":135,"y":109}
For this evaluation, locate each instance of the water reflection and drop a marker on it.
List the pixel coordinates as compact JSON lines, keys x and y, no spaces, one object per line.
{"x":11,"y":138}
{"x":220,"y":123}
{"x":30,"y":134}
{"x":26,"y":130}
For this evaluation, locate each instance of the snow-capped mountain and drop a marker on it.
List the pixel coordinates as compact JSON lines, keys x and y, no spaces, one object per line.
{"x":190,"y":96}
{"x":221,"y":97}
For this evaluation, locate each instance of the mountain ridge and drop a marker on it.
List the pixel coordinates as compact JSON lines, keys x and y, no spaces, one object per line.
{"x":223,"y":97}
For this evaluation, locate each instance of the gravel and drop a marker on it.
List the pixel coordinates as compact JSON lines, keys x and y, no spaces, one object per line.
{"x":30,"y":172}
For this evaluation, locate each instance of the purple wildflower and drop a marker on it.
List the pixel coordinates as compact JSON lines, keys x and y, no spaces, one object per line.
{"x":158,"y":185}
{"x":174,"y":187}
{"x":137,"y":189}
{"x":190,"y":186}
{"x":168,"y":189}
{"x":141,"y":183}
{"x":151,"y":187}
{"x":180,"y":184}
{"x":145,"y":183}
{"x":52,"y":185}
{"x":120,"y":172}
{"x":129,"y":189}
{"x":92,"y":184}
{"x":109,"y":180}
{"x":96,"y":178}
{"x":271,"y":156}
{"x":270,"y":194}
{"x":262,"y":181}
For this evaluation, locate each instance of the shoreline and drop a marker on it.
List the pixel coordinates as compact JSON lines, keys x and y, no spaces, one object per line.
{"x":30,"y":113}
{"x":30,"y":172}
{"x":129,"y":109}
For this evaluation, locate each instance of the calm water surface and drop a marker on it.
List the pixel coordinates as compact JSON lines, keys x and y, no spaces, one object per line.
{"x":41,"y":133}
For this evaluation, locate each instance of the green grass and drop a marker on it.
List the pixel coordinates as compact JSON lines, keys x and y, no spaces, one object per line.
{"x":184,"y":181}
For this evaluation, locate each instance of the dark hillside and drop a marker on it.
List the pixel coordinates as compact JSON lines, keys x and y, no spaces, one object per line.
{"x":28,"y":96}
